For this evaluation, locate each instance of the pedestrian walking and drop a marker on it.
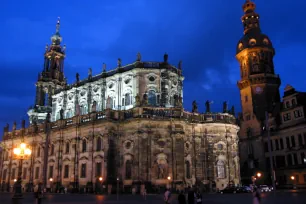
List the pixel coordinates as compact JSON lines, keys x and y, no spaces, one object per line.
{"x":198,"y":197}
{"x":167,"y":196}
{"x":191,"y":196}
{"x":38,"y":193}
{"x":181,"y":198}
{"x":256,"y":196}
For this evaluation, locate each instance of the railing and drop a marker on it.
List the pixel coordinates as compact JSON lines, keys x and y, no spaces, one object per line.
{"x":139,"y":112}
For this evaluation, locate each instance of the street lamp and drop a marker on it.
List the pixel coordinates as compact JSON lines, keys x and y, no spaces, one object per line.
{"x":169,"y":178}
{"x":51,"y":184}
{"x":21,"y":153}
{"x":292,"y":178}
{"x":117,"y":188}
{"x":101,"y":187}
{"x":258,"y":175}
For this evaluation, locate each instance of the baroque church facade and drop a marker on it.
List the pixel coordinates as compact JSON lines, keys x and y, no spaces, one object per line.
{"x":264,"y":114}
{"x":126,"y":125}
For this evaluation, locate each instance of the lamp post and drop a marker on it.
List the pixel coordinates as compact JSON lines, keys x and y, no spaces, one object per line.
{"x":51,"y":184}
{"x":117,"y":188}
{"x":101,"y":187}
{"x":293,"y":179}
{"x":169,"y":181}
{"x":20,"y":153}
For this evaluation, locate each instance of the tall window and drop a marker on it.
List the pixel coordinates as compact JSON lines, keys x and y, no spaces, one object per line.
{"x":83,"y":109}
{"x":288,"y":142}
{"x":69,"y":113}
{"x":300,"y":139}
{"x":188,"y":174}
{"x":152,"y":97}
{"x":303,"y":158}
{"x":38,"y":152}
{"x":66,"y":171}
{"x":220,"y":169}
{"x":24,"y":173}
{"x":83,"y":171}
{"x":50,"y":171}
{"x":67,"y":147}
{"x":128,"y":169}
{"x":127,"y":99}
{"x":52,"y":150}
{"x":99,"y":144}
{"x":281,"y":143}
{"x":98,"y":169}
{"x":84,"y":144}
{"x":36,"y":172}
{"x":46,"y":102}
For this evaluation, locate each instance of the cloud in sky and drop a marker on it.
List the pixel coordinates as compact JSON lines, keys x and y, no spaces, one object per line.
{"x":203,"y":34}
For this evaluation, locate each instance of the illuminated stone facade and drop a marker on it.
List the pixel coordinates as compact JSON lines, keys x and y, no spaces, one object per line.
{"x":127,"y":123}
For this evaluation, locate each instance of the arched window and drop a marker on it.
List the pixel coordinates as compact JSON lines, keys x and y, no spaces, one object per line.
{"x":188,"y":174}
{"x":128,"y":169}
{"x":84,"y":144}
{"x":67,"y":147}
{"x":46,"y":102}
{"x":99,"y":144}
{"x":58,"y":116}
{"x":69,"y":113}
{"x":220,"y":169}
{"x":38,"y":152}
{"x":127,"y":99}
{"x":152,"y":97}
{"x":293,"y":102}
{"x":52,"y":150}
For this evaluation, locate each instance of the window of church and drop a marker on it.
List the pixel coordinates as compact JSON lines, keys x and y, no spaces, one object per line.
{"x":220,"y":169}
{"x":46,"y":102}
{"x":4,"y":175}
{"x":36,"y":172}
{"x":293,"y":101}
{"x":127,"y":99}
{"x":84,"y":145}
{"x":50,"y":171}
{"x":287,"y":104}
{"x":38,"y":152}
{"x":67,"y":147}
{"x":152,"y":97}
{"x":83,"y":171}
{"x":128,"y":169}
{"x":220,"y":146}
{"x":99,"y":144}
{"x":98,"y":169}
{"x":188,"y":174}
{"x":66,"y":171}
{"x":52,"y":150}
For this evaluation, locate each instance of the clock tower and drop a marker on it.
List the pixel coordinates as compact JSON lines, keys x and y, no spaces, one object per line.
{"x":259,"y":86}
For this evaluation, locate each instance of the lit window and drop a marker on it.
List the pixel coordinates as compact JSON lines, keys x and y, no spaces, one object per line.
{"x":220,"y":169}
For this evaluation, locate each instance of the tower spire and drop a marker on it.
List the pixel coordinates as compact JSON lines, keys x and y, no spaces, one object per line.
{"x":56,"y":38}
{"x":250,"y":19}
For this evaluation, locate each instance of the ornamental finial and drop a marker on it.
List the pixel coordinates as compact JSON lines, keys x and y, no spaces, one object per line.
{"x":58,"y":24}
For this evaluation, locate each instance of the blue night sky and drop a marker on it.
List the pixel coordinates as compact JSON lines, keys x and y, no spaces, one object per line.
{"x":201,"y":33}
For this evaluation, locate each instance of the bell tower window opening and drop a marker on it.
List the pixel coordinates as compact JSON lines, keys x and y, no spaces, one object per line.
{"x":46,"y":99}
{"x":188,"y":175}
{"x":128,"y":169}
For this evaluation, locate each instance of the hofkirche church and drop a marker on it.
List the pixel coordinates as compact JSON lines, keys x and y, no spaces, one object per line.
{"x":126,"y":125}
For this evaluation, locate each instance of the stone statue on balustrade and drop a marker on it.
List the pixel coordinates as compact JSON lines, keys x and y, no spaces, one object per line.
{"x":138,"y":57}
{"x":137,"y":100}
{"x":6,"y":128}
{"x":194,"y":107}
{"x":94,"y":107}
{"x":225,"y":108}
{"x":77,"y":77}
{"x":14,"y":126}
{"x":23,"y":124}
{"x":207,"y":106}
{"x":233,"y":110}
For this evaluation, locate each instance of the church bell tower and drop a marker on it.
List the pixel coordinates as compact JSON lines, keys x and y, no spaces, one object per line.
{"x":50,"y":79}
{"x":258,"y":85}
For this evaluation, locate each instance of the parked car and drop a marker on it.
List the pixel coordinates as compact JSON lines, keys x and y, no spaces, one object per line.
{"x":264,"y":188}
{"x":245,"y":189}
{"x":229,"y":190}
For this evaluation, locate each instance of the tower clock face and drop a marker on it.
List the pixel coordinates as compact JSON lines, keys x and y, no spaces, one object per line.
{"x":258,"y":90}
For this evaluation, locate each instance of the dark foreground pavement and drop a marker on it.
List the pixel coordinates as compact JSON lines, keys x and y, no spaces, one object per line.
{"x":288,"y":197}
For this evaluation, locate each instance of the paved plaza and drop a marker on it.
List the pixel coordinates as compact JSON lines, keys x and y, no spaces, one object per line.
{"x":281,"y":197}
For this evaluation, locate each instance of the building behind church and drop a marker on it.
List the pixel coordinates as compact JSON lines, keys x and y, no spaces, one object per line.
{"x":126,"y":125}
{"x":259,"y":91}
